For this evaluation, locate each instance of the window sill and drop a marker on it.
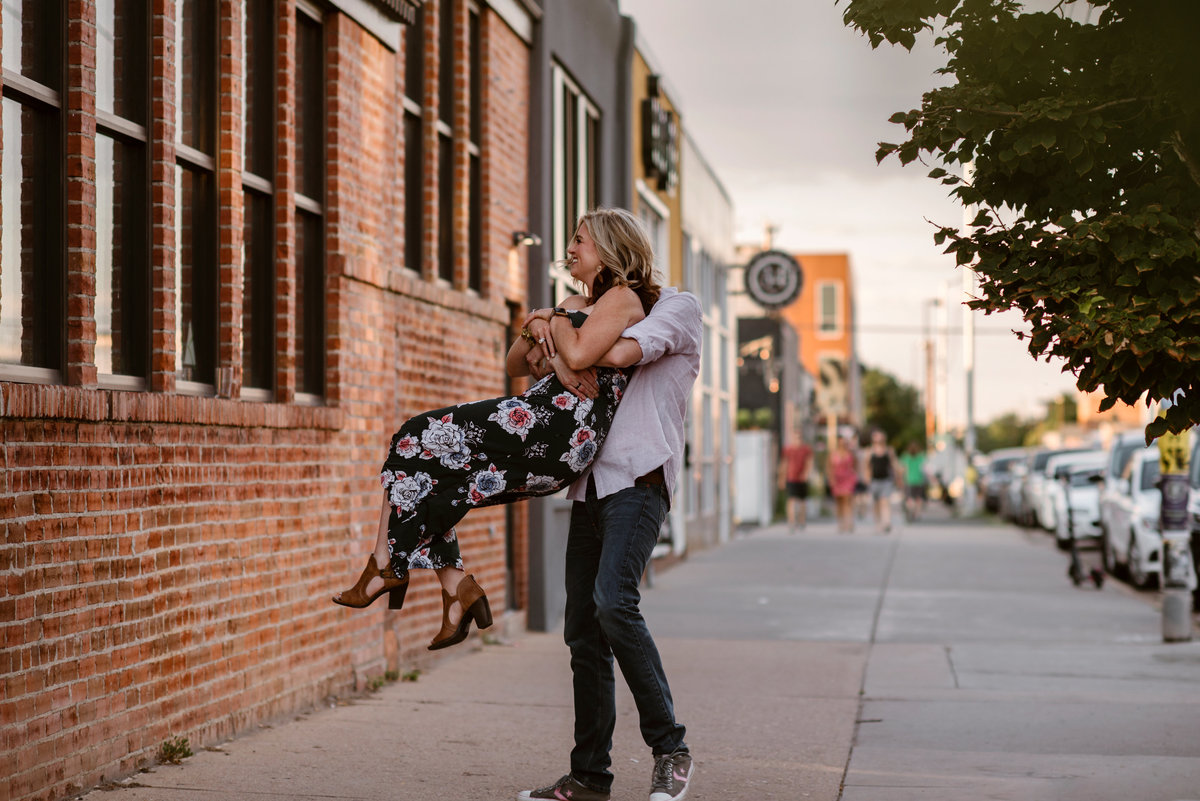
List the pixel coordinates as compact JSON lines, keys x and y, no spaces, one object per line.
{"x":57,"y":402}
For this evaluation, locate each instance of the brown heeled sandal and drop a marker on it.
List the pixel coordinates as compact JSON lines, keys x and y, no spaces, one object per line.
{"x":474,"y":605}
{"x":356,"y":597}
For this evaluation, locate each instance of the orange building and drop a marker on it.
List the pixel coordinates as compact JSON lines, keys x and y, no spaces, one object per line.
{"x":823,"y":315}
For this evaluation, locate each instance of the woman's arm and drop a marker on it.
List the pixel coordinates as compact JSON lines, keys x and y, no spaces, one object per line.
{"x":515,"y":363}
{"x":582,"y":347}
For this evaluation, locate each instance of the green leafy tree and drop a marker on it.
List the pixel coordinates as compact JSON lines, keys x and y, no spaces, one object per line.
{"x":1082,"y":124}
{"x":1009,"y":430}
{"x":893,"y":407}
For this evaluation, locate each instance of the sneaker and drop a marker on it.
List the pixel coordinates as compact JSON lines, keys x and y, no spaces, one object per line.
{"x":565,"y":789}
{"x":671,"y":775}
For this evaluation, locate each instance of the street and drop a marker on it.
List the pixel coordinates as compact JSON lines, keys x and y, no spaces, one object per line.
{"x":947,"y":660}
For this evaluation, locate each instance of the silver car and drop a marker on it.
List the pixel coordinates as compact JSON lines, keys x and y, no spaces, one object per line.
{"x":1131,"y":541}
{"x":1122,"y":448}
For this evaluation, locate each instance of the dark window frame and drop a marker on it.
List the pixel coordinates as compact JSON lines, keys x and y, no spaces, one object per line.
{"x":414,"y":143}
{"x":475,"y":148}
{"x":47,"y":342}
{"x":310,"y":329}
{"x":127,"y":126}
{"x":447,"y":61}
{"x":259,"y":285}
{"x":199,"y":164}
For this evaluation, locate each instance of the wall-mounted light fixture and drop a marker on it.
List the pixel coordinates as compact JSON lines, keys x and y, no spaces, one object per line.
{"x":526,"y":238}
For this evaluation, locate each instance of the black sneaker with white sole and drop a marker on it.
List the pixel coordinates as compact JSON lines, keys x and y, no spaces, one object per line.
{"x":565,"y":789}
{"x":672,"y":772}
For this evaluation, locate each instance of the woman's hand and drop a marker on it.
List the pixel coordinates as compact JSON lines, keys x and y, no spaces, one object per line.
{"x":541,"y":332}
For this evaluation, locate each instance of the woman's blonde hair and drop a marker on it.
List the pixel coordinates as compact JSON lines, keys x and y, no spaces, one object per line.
{"x":626,"y":256}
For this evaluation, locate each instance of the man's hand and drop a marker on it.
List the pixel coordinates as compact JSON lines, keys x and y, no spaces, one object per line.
{"x":582,"y":384}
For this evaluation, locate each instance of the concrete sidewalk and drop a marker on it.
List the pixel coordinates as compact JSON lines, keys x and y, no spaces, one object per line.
{"x":948,"y":660}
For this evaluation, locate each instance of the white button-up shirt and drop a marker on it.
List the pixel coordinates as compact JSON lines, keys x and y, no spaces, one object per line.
{"x":647,"y":431}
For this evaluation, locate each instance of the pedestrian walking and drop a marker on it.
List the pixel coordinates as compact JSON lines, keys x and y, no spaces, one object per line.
{"x":916,"y":483}
{"x":619,"y":506}
{"x":443,"y":463}
{"x":882,"y":474}
{"x":797,"y":463}
{"x":843,"y":480}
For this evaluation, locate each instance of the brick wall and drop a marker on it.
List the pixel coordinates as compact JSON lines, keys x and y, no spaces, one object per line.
{"x":168,"y":559}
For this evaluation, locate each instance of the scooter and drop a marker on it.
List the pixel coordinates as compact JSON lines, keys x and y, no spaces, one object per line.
{"x":1076,"y":570}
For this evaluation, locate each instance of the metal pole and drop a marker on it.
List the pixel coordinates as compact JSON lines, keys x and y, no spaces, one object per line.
{"x":968,"y":285}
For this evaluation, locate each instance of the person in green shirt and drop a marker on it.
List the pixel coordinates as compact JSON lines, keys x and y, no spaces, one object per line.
{"x":915,"y":482}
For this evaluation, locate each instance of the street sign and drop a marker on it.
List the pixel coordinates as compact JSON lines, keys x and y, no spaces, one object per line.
{"x":773,"y":279}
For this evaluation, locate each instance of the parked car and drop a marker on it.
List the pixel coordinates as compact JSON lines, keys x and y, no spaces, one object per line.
{"x":1010,"y":494}
{"x":1052,"y":490}
{"x":1075,"y":494}
{"x":1131,"y":541}
{"x":1194,"y":512}
{"x":999,"y":472}
{"x":1120,"y":450}
{"x":1035,"y":482}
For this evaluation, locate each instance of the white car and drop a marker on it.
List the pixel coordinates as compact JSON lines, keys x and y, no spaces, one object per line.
{"x":1051,"y":513}
{"x":1035,"y":483}
{"x":1075,"y":493}
{"x":1122,"y":448}
{"x":1194,"y":512}
{"x":1131,"y":539}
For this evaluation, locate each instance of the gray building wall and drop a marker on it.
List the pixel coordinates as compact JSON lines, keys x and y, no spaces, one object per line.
{"x":593,"y":43}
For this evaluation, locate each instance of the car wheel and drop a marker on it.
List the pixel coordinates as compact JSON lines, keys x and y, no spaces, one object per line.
{"x":1137,"y":573}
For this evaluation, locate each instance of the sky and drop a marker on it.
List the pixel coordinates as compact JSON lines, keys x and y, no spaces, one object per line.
{"x":788,"y":106}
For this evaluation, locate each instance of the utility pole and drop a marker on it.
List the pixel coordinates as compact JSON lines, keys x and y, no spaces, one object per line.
{"x":968,"y":285}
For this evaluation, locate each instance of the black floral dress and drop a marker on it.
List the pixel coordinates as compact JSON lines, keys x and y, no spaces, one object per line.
{"x":443,"y":463}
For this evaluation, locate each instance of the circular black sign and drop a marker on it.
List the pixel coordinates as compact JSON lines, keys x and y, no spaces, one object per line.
{"x":773,"y":279}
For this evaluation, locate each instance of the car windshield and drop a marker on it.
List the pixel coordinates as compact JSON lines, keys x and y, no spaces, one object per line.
{"x":1005,"y":465}
{"x":1150,"y":474}
{"x":1083,"y":478}
{"x":1122,"y":453}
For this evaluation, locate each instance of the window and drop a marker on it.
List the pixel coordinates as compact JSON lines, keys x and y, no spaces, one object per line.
{"x":414,"y":145}
{"x":32,"y":260}
{"x":575,"y":168}
{"x":196,"y":197}
{"x":829,"y":316}
{"x":445,"y":139}
{"x":654,"y":214}
{"x":122,"y":192}
{"x":310,"y":199}
{"x":474,"y":151}
{"x":258,"y":138}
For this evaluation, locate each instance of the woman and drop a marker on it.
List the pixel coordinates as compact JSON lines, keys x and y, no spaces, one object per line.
{"x":882,"y":475}
{"x":443,"y":463}
{"x":843,"y":477}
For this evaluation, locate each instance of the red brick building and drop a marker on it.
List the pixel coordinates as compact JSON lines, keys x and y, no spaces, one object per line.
{"x":242,"y":241}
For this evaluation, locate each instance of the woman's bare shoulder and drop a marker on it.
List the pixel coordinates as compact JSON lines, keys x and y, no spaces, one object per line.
{"x":622,"y":300}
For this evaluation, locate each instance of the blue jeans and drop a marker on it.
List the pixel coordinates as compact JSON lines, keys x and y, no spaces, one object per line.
{"x":608,"y":547}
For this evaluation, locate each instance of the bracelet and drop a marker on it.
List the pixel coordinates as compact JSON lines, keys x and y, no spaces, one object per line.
{"x":528,"y":336}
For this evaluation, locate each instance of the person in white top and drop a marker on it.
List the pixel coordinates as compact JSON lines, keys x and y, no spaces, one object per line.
{"x":620,"y":503}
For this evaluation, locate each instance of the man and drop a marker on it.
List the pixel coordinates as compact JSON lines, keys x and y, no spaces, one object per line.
{"x":797,"y":459}
{"x":620,"y":503}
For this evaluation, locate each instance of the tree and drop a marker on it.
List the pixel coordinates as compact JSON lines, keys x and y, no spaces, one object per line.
{"x":1009,"y":430}
{"x":893,"y":407}
{"x":1084,"y":138}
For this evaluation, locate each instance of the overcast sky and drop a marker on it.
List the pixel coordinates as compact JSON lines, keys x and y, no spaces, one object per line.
{"x":788,"y":106}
